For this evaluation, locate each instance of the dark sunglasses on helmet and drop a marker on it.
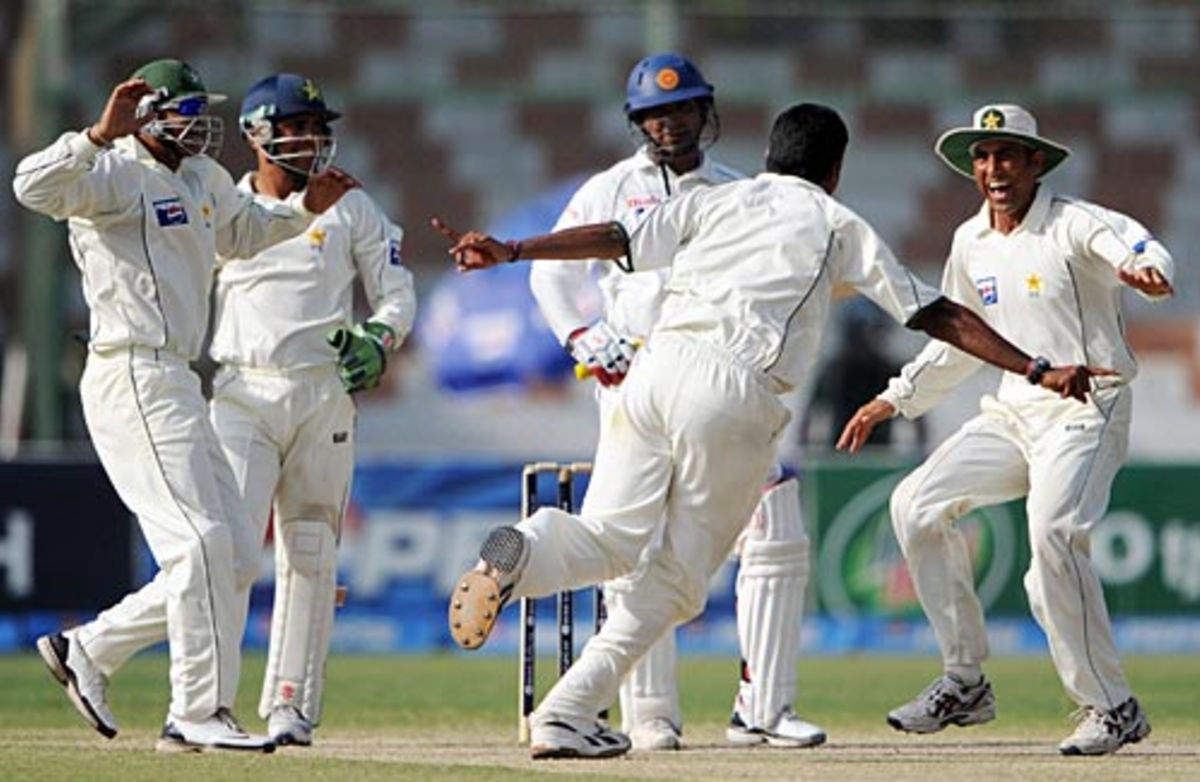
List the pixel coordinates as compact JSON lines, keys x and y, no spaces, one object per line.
{"x":192,"y":106}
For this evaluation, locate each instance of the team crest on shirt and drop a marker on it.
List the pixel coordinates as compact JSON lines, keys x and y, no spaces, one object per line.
{"x":316,"y":238}
{"x":1033,"y":285}
{"x":394,"y":256}
{"x":988,"y":291}
{"x":170,"y":211}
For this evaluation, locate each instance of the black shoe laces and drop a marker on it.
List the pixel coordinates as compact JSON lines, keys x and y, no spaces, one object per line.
{"x":227,"y":718}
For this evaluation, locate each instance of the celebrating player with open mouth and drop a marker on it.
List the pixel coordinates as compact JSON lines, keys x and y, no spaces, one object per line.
{"x":1045,"y":270}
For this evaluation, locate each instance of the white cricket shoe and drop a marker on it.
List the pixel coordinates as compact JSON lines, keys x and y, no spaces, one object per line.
{"x":86,"y":686}
{"x":287,"y":725}
{"x":787,"y":730}
{"x":655,"y":735}
{"x":1102,"y":732}
{"x":220,"y":731}
{"x":947,"y":701}
{"x":559,"y":737}
{"x":484,"y":589}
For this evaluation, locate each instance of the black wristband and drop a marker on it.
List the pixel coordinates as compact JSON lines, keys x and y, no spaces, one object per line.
{"x":1037,"y":368}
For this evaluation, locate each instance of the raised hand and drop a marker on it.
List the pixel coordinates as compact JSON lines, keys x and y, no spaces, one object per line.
{"x":119,"y":117}
{"x":324,"y":189}
{"x":865,"y":419}
{"x":474,"y":249}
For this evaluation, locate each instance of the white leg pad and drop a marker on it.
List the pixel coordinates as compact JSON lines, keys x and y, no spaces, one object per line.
{"x":770,"y":602}
{"x":302,"y":619}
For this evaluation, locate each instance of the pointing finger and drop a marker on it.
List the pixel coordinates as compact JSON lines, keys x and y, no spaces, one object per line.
{"x":445,"y":230}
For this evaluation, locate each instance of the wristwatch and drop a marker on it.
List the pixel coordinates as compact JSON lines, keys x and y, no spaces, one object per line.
{"x":1036,"y":368}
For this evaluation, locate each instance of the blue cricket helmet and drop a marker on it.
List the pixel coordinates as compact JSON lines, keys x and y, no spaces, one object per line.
{"x":283,"y":95}
{"x":278,"y":97}
{"x":664,"y":78}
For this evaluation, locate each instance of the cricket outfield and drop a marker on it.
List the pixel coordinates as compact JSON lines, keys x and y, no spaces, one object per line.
{"x":453,"y":717}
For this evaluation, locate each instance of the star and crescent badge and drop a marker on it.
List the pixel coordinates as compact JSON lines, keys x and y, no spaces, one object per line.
{"x":310,"y":91}
{"x":991,"y":120}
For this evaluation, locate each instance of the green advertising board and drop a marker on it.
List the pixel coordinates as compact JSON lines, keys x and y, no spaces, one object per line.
{"x":1146,"y":549}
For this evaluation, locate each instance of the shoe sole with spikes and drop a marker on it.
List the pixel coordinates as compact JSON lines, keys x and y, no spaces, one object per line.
{"x":481,"y":592}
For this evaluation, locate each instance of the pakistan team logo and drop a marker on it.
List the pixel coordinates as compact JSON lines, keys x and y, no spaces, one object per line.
{"x":861,"y":569}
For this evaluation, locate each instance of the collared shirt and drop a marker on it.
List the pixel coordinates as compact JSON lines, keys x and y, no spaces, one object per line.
{"x":626,"y":193}
{"x":753,"y":268}
{"x":275,"y":310}
{"x":1050,"y":287}
{"x":145,"y":237}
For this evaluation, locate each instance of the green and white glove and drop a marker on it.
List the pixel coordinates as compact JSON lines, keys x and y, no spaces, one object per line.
{"x":362,"y":353}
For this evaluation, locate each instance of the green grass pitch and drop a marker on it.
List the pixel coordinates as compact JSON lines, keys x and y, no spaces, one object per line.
{"x":453,"y":717}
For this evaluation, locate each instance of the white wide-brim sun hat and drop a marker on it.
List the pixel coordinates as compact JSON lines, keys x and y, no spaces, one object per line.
{"x":997,"y":121}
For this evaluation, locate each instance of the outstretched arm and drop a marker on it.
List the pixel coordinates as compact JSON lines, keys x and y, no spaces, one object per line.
{"x":952,"y":323}
{"x":477,"y":250}
{"x":961,"y":327}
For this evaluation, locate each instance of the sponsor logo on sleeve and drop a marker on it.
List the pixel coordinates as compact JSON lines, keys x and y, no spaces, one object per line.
{"x":393,"y":252}
{"x":987,"y":290}
{"x":170,"y":211}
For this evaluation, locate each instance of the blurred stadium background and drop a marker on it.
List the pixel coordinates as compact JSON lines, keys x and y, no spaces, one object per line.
{"x":489,"y":113}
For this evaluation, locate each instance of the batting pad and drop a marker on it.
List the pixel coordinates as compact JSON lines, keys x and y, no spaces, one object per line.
{"x":302,"y":620}
{"x":770,"y":601}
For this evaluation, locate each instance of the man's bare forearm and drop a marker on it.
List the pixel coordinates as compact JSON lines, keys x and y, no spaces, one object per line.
{"x":596,"y":240}
{"x":959,"y":326}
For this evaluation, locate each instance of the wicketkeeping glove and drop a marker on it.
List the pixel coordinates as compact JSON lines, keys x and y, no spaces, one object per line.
{"x":362,"y":353}
{"x":604,"y":352}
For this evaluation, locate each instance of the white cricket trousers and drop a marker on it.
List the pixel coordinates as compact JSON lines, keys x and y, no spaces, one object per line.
{"x":651,"y":690}
{"x":289,"y":438}
{"x":1062,"y":456}
{"x":149,"y":424}
{"x":691,"y":443}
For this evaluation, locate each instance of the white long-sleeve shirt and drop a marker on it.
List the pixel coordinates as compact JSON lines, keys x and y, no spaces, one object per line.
{"x":275,"y":310}
{"x":626,"y":192}
{"x":1050,"y":287}
{"x":145,"y":237}
{"x":754,"y":264}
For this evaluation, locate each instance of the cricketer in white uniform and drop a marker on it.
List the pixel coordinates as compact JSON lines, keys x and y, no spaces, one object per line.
{"x":279,"y":407}
{"x":1045,"y":271}
{"x":148,"y":210}
{"x":753,"y":267}
{"x":671,"y":105}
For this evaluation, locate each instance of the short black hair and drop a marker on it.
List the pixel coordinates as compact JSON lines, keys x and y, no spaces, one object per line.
{"x":808,"y":141}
